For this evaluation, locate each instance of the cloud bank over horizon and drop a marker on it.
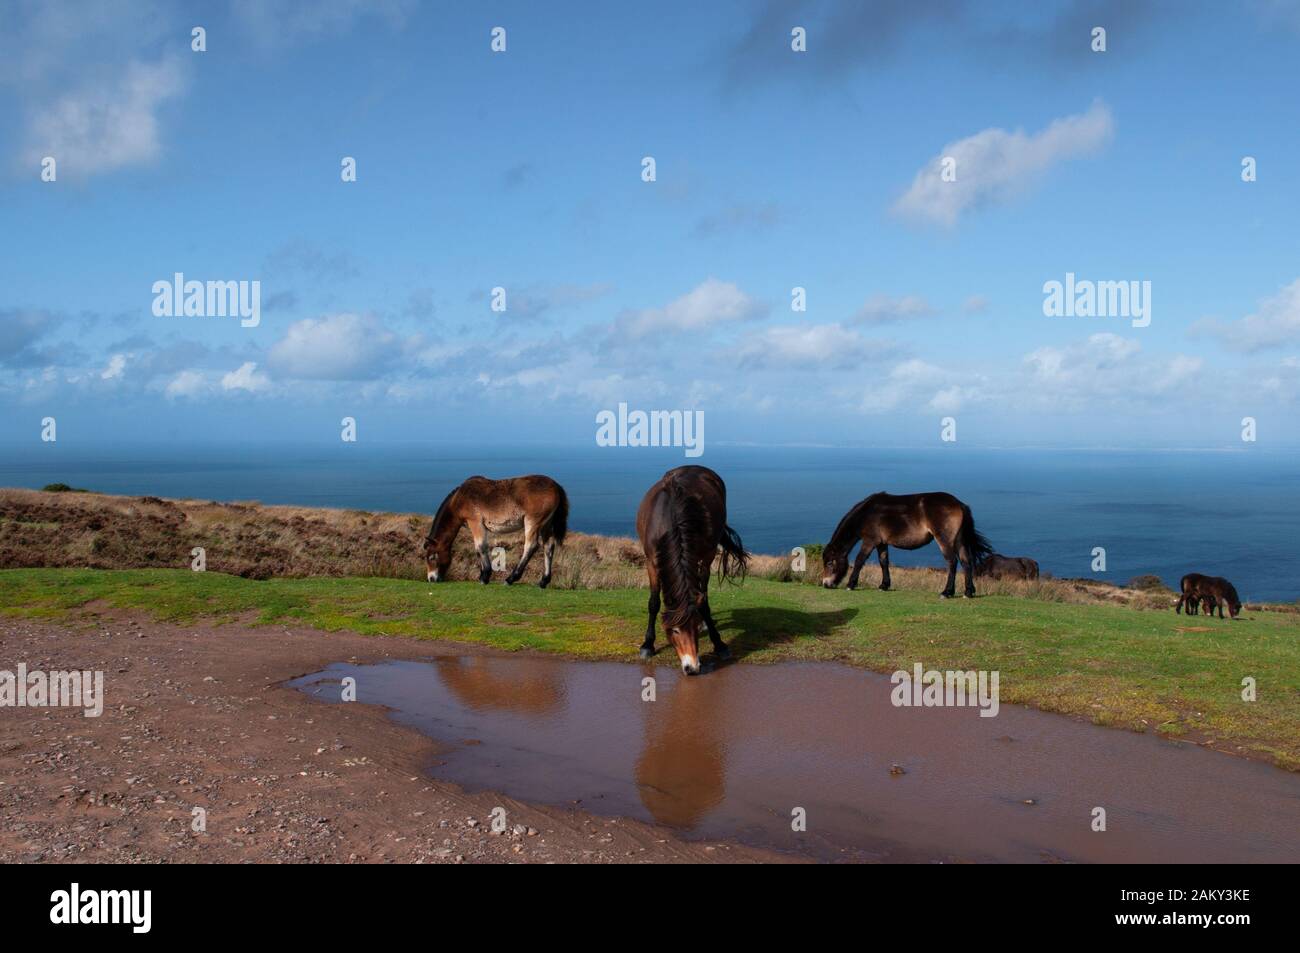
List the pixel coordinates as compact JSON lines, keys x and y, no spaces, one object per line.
{"x":816,"y":257}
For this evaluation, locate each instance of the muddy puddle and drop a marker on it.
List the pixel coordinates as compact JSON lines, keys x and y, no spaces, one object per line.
{"x":730,"y":755}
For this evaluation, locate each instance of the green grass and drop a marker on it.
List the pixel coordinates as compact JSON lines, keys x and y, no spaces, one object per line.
{"x":1113,"y":665}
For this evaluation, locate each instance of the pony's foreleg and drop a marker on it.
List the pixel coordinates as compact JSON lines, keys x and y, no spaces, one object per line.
{"x":549,"y":555}
{"x":648,"y":646}
{"x":530,"y":547}
{"x":719,"y":647}
{"x":882,"y":553}
{"x":863,"y":551}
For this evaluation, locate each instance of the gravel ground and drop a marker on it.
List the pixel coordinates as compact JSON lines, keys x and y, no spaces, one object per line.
{"x":195,"y":717}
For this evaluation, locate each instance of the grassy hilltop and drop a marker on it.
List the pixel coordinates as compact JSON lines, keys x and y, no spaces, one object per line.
{"x":1118,"y":656}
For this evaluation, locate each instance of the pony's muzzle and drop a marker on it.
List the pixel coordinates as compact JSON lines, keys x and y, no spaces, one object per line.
{"x":433,"y":575}
{"x":688,"y":650}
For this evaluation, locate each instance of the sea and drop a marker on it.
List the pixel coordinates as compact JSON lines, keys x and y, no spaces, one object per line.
{"x":1229,"y":513}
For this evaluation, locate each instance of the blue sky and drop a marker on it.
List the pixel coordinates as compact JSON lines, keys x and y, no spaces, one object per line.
{"x":775,"y":169}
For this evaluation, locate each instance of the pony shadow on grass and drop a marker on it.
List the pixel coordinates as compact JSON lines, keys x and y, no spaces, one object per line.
{"x":749,"y":630}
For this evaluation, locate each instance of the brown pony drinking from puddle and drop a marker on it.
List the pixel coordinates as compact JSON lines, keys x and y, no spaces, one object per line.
{"x":536,"y":504}
{"x":682,"y":521}
{"x":908,"y":522}
{"x":1210,"y":591}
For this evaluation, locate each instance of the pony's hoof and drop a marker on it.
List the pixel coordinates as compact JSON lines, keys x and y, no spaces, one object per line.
{"x":544,"y":582}
{"x":647,"y":653}
{"x":722,"y":652}
{"x":510,"y":580}
{"x":945,"y":595}
{"x":850,"y":587}
{"x":968,"y":595}
{"x":883,"y":587}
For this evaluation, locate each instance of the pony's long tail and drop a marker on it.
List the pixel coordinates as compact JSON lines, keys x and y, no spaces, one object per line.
{"x":976,"y":544}
{"x":735,"y":560}
{"x":560,"y":518}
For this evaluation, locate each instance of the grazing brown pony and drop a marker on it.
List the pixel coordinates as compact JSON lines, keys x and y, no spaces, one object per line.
{"x":682,"y":521}
{"x":536,"y":504}
{"x":908,"y":522}
{"x":1210,"y":591}
{"x":996,"y":566}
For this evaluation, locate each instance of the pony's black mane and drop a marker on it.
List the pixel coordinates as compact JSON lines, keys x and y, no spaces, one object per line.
{"x":674,"y":557}
{"x":847,"y":531}
{"x":438,"y":517}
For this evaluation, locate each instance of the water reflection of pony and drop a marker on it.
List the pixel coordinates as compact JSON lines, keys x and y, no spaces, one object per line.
{"x":486,"y":683}
{"x":681,"y":773}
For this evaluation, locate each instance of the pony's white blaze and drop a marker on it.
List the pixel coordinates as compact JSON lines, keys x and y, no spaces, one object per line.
{"x":433,"y":576}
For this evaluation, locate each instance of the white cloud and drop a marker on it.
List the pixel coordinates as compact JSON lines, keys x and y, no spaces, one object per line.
{"x":1276,"y":323}
{"x":948,"y":400}
{"x":1101,"y":352}
{"x":1102,"y":371}
{"x":818,"y":345}
{"x":105,"y":125}
{"x":915,"y":371}
{"x":246,"y":378}
{"x":916,"y":385}
{"x":995,"y":165}
{"x":710,"y":304}
{"x":116,"y":365}
{"x":186,"y":384}
{"x":336,"y":347}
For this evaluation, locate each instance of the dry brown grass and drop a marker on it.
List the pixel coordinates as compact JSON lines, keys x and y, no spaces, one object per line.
{"x":55,"y":530}
{"x":40,"y":529}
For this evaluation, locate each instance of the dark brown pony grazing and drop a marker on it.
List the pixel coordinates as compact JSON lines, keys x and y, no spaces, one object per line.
{"x":908,"y":522}
{"x":1210,"y":591}
{"x":682,"y":521}
{"x":1008,"y":567}
{"x":536,"y":504}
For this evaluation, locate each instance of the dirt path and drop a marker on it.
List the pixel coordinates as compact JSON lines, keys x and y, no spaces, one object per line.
{"x":196,"y":717}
